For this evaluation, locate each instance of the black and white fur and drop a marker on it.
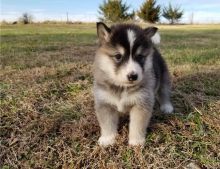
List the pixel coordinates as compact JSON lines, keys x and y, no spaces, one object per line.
{"x":129,"y":74}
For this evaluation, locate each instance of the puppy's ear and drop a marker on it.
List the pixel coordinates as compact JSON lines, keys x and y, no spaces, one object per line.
{"x":152,"y":33}
{"x":103,"y":32}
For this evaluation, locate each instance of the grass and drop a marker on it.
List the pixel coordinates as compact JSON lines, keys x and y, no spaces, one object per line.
{"x":47,"y":118}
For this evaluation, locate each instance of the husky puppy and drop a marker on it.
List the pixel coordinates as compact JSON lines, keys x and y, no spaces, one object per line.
{"x":129,"y":73}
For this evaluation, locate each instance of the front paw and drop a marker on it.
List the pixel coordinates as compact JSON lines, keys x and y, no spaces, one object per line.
{"x":166,"y":108}
{"x":136,"y":142}
{"x":106,"y":140}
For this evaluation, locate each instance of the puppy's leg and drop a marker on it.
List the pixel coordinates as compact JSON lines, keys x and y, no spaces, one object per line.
{"x":108,"y":121}
{"x":164,"y":94}
{"x":139,"y":120}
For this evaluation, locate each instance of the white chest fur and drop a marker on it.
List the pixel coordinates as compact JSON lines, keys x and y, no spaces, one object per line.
{"x":121,"y":102}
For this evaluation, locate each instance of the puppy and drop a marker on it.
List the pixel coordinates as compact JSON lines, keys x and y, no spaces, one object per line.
{"x":129,"y":73}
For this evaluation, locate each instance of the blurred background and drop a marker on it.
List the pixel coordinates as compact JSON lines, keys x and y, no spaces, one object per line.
{"x":196,"y":12}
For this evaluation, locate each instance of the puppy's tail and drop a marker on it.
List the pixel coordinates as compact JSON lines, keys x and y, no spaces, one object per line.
{"x":156,"y":38}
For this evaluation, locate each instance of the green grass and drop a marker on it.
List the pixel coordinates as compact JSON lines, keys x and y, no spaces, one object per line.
{"x":47,"y":118}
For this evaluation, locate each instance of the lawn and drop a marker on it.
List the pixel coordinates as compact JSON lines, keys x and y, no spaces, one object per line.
{"x":47,"y":118}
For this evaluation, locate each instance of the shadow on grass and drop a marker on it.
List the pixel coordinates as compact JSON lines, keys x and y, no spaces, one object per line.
{"x":191,"y":94}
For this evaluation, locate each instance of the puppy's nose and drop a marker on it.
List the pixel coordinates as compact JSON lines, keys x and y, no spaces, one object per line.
{"x":132,"y":76}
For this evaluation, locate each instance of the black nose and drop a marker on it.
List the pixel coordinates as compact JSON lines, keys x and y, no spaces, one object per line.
{"x":132,"y":77}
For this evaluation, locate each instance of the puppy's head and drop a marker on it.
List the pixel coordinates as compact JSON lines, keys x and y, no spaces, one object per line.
{"x":124,"y":51}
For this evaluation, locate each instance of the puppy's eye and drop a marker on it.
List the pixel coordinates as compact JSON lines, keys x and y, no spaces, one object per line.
{"x":140,"y":58}
{"x":118,"y":57}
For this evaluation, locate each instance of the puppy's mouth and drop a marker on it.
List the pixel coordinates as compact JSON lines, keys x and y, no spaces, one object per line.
{"x":127,"y":84}
{"x":130,"y":84}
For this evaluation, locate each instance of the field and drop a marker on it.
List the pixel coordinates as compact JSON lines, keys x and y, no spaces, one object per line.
{"x":47,"y":118}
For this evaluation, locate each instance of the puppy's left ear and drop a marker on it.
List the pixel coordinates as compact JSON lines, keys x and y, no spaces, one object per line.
{"x":103,"y":32}
{"x":152,"y":33}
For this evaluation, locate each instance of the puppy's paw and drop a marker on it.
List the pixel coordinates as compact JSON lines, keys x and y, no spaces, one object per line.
{"x":136,"y":142}
{"x":106,"y":140}
{"x":166,"y":108}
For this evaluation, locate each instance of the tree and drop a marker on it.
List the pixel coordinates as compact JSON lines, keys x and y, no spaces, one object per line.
{"x":26,"y":18}
{"x":173,"y":14}
{"x":149,"y":11}
{"x":114,"y":11}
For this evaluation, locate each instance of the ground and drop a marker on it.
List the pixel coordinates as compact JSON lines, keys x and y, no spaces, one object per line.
{"x":47,"y":118}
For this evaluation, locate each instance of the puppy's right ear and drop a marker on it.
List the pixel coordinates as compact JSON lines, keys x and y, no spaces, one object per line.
{"x":103,"y":32}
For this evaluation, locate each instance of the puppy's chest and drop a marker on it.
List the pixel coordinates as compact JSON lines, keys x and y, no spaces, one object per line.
{"x":122,"y":101}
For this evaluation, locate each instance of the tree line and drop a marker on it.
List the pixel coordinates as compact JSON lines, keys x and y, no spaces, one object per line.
{"x":117,"y":11}
{"x":149,"y":11}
